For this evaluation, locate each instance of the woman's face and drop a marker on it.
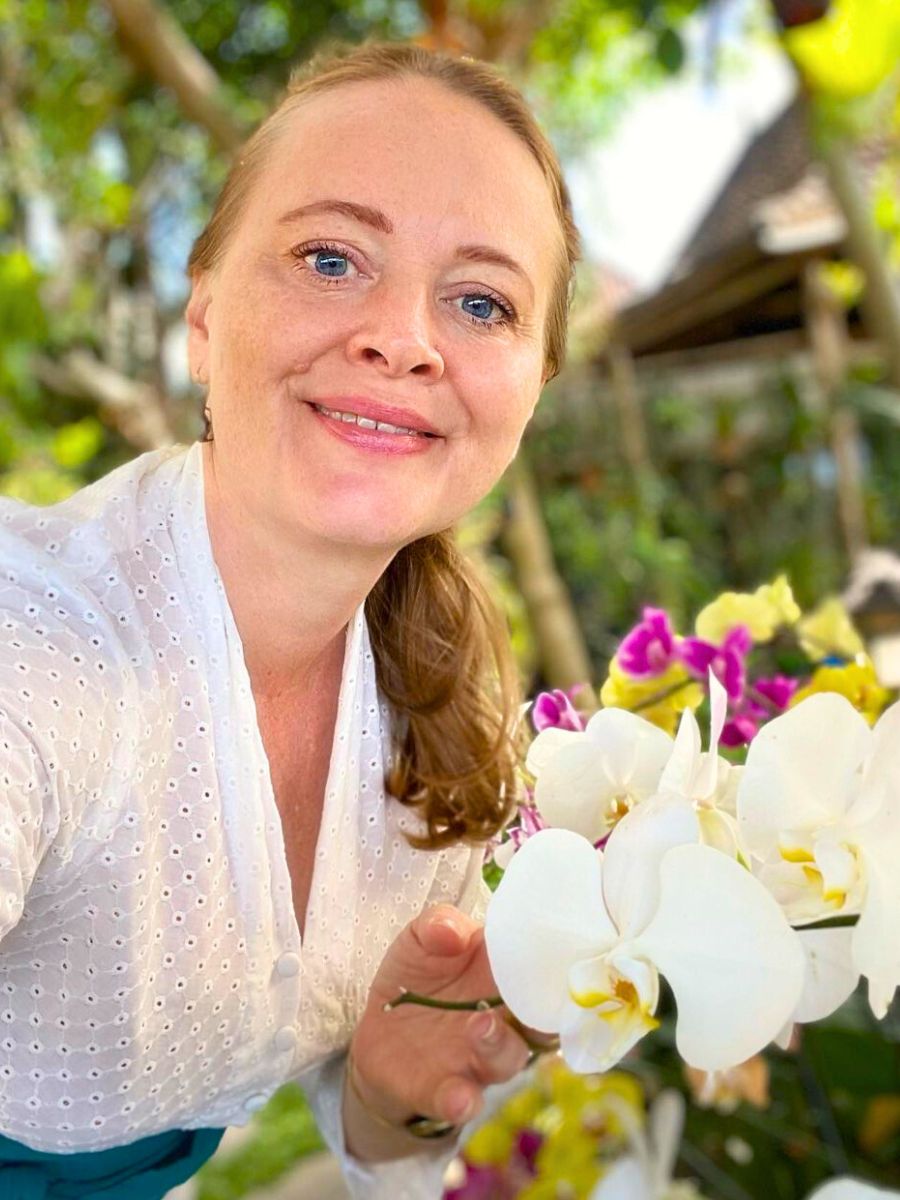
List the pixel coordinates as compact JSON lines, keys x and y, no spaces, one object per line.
{"x":393,"y":261}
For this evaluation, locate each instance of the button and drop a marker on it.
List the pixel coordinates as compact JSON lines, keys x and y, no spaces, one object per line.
{"x":288,"y":965}
{"x":286,"y":1038}
{"x":255,"y":1103}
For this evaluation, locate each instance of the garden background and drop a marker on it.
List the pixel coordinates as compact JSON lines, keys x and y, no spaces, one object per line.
{"x":730,"y":409}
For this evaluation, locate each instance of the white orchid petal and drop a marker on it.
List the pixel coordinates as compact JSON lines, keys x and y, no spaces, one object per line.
{"x":719,"y":830}
{"x":732,"y":961}
{"x":876,"y":946}
{"x":785,"y":1036}
{"x":643,"y":977}
{"x":547,"y":744}
{"x":830,"y":976}
{"x":718,"y":711}
{"x":591,"y":1041}
{"x":881,"y":779}
{"x":681,"y":769}
{"x":634,"y":750}
{"x":633,"y":854}
{"x":802,"y":770}
{"x":708,"y":771}
{"x":846,"y":1188}
{"x":573,"y":791}
{"x":546,"y":914}
{"x":626,"y":1180}
{"x":799,"y":894}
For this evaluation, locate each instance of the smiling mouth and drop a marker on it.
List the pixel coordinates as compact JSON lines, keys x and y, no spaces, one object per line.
{"x":349,"y":418}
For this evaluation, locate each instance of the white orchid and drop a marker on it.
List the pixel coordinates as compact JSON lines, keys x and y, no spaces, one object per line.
{"x":846,"y":1188}
{"x":587,"y":781}
{"x":819,"y":811}
{"x":705,"y":780}
{"x":646,"y":1174}
{"x":577,"y":940}
{"x":829,"y":979}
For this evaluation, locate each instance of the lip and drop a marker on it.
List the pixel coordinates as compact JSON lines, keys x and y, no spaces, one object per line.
{"x":374,"y":441}
{"x":373,"y":410}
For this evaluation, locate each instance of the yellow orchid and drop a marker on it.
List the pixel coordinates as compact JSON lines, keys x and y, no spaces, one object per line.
{"x":567,"y":1156}
{"x":675,"y":687}
{"x":851,"y":51}
{"x":856,"y":681}
{"x":828,"y":630}
{"x":762,"y":612}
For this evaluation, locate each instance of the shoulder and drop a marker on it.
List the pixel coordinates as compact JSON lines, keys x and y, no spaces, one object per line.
{"x":67,"y":678}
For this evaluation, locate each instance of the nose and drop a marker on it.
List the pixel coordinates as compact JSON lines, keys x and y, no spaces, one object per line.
{"x":396,"y":334}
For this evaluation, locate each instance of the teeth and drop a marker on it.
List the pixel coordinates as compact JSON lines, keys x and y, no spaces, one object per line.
{"x":365,"y":422}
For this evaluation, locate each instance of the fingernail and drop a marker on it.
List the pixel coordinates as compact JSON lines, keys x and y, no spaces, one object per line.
{"x":462,"y":1106}
{"x":447,"y":923}
{"x":483,"y":1026}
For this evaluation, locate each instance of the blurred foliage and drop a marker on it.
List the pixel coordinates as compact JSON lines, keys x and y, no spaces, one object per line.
{"x":827,"y":1115}
{"x":103,"y":186}
{"x":281,"y":1133}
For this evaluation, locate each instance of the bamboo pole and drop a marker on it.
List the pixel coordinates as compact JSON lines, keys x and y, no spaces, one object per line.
{"x":827,"y":327}
{"x":562,"y":653}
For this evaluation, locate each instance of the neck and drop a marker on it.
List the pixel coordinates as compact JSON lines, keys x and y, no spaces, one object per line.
{"x":291,"y":599}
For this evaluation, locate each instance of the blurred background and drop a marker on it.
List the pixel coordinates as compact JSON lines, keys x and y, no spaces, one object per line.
{"x":730,"y":408}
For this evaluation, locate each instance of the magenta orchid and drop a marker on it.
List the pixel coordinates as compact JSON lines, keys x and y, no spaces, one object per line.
{"x":764,"y":699}
{"x":650,"y":647}
{"x":727,"y":661}
{"x":554,"y":710}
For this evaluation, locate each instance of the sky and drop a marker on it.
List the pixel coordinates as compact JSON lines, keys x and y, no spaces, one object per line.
{"x":638,"y":196}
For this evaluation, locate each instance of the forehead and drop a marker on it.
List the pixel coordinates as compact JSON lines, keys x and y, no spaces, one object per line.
{"x":436,"y":163}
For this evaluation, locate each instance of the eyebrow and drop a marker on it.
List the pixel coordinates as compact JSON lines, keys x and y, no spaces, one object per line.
{"x":377,"y":220}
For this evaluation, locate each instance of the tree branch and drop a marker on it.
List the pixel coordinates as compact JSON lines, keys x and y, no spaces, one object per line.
{"x":135,"y":409}
{"x":157,"y":45}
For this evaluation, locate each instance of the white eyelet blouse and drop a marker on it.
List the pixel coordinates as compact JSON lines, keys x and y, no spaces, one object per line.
{"x":151,"y":969}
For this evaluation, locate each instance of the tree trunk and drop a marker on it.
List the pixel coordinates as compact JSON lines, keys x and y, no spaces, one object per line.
{"x":881,"y":301}
{"x":827,"y":326}
{"x":562,"y":654}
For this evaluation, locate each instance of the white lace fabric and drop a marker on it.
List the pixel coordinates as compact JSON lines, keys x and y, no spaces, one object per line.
{"x":152,"y":974}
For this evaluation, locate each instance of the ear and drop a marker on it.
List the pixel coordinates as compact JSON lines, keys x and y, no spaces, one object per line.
{"x":197,"y":317}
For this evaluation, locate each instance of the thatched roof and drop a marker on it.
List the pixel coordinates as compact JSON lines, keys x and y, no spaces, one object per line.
{"x":774,"y":162}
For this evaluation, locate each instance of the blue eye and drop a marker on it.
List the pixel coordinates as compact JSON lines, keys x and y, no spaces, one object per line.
{"x":487,"y":305}
{"x":329,"y":259}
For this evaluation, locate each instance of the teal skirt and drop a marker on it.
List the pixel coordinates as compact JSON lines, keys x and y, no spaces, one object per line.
{"x":142,"y":1170}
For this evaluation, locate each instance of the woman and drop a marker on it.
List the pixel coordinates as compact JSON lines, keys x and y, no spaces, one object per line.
{"x":214,"y":654}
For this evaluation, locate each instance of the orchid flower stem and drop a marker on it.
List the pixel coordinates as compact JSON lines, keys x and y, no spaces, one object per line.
{"x":663,"y":695}
{"x":823,"y":1113}
{"x":450,"y":1005}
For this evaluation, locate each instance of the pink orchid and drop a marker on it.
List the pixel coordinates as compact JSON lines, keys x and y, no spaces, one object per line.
{"x":726,"y":661}
{"x":528,"y":822}
{"x":765,"y":698}
{"x":554,"y":710}
{"x":650,"y":646}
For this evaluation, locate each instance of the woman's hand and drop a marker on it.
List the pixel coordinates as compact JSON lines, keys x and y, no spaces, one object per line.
{"x":414,"y":1060}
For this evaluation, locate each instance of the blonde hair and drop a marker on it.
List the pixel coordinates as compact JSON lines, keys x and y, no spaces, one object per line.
{"x":442,"y":652}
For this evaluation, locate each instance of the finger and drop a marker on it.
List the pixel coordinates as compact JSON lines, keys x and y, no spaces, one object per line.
{"x":500,"y":1053}
{"x":457,"y":1099}
{"x":444,"y":930}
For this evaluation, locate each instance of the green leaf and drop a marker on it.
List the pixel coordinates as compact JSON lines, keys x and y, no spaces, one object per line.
{"x":670,"y":53}
{"x":74,"y":445}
